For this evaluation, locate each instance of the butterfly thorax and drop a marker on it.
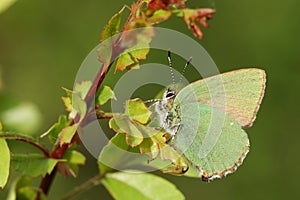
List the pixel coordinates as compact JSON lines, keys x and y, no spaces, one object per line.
{"x":168,"y":112}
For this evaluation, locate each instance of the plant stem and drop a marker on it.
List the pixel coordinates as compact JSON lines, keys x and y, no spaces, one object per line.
{"x":91,"y":116}
{"x":59,"y":151}
{"x":46,"y":182}
{"x":28,"y":141}
{"x":97,"y":83}
{"x":84,"y":186}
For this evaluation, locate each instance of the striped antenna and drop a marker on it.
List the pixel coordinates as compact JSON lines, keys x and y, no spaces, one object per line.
{"x":151,"y":100}
{"x":184,"y":69}
{"x":170,"y":67}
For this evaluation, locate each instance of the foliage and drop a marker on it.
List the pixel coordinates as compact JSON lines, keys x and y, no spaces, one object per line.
{"x":5,"y":158}
{"x":127,"y":185}
{"x":5,"y":4}
{"x":133,"y":133}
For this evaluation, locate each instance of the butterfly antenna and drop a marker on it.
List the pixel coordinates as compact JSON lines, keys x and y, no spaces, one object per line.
{"x":184,"y":69}
{"x":151,"y":100}
{"x":170,"y":67}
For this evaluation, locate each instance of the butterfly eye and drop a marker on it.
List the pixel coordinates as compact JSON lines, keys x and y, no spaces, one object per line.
{"x":170,"y":94}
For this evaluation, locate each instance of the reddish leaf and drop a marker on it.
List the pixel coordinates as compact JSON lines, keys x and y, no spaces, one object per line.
{"x":165,"y":4}
{"x":135,"y":10}
{"x":139,"y":37}
{"x":135,"y":40}
{"x":64,"y":170}
{"x":191,"y":17}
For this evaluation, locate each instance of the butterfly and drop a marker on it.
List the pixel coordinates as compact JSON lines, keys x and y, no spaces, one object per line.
{"x":206,"y":119}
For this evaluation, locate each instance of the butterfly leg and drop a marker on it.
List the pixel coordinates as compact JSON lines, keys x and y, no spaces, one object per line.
{"x":174,"y":129}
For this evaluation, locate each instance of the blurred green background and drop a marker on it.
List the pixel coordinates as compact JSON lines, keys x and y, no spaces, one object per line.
{"x":42,"y":44}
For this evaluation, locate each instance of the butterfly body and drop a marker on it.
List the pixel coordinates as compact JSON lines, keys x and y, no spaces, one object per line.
{"x":168,"y":116}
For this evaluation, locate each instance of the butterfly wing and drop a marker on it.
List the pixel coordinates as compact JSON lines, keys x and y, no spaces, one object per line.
{"x":238,"y":93}
{"x":211,"y":140}
{"x":212,"y":112}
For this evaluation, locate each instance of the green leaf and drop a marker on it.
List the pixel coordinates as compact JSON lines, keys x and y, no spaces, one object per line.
{"x":179,"y":165}
{"x":135,"y":43}
{"x":105,"y":53}
{"x":23,"y":181}
{"x":151,"y":141}
{"x":122,"y":124}
{"x":22,"y":189}
{"x":138,"y":185}
{"x":107,"y":39}
{"x":68,"y":103}
{"x":4,"y":163}
{"x":1,"y":126}
{"x":17,"y":184}
{"x":82,"y":88}
{"x":137,"y":111}
{"x":105,"y":95}
{"x":140,"y":54}
{"x":66,"y":135}
{"x":170,"y":161}
{"x":74,"y":102}
{"x":73,"y":159}
{"x":124,"y":156}
{"x":5,"y":4}
{"x":159,"y":16}
{"x":103,"y":168}
{"x":135,"y":132}
{"x":125,"y":61}
{"x":29,"y":193}
{"x":18,"y":136}
{"x":78,"y":107}
{"x":116,"y":127}
{"x":130,"y":59}
{"x":112,"y":26}
{"x":152,"y":146}
{"x":117,"y":154}
{"x":133,"y":141}
{"x":33,"y":164}
{"x":68,"y":92}
{"x":68,"y":99}
{"x":55,"y":130}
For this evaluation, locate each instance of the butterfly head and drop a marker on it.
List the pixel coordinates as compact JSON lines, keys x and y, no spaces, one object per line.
{"x":169,"y":94}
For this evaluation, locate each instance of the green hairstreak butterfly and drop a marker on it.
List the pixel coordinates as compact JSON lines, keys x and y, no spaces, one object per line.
{"x":206,"y":119}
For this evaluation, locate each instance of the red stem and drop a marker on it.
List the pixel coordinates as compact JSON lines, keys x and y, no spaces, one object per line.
{"x":46,"y":183}
{"x":28,"y":141}
{"x":60,"y":150}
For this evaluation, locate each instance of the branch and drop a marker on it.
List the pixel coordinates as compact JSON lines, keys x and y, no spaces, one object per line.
{"x":46,"y":183}
{"x":59,"y":151}
{"x":28,"y":141}
{"x":84,"y":186}
{"x":97,"y":82}
{"x":94,"y":115}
